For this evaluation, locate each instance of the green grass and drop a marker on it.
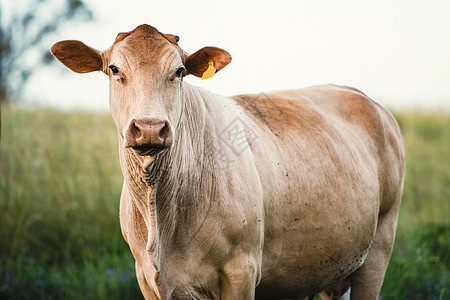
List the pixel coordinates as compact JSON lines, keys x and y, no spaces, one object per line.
{"x":420,"y":264}
{"x":60,"y":184}
{"x":59,"y":203}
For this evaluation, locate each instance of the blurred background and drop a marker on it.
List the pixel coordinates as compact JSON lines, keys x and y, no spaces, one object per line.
{"x":60,"y":179}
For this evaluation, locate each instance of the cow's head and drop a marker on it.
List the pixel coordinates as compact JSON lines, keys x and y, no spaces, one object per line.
{"x":146,"y":70}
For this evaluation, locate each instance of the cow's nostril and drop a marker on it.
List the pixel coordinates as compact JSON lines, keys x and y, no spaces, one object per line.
{"x":135,"y":130}
{"x":148,"y":133}
{"x":164,"y":133}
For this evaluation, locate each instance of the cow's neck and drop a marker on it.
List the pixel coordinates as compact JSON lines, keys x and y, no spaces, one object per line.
{"x":180,"y":185}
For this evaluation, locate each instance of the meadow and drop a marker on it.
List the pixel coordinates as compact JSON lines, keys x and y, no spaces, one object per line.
{"x":60,"y":185}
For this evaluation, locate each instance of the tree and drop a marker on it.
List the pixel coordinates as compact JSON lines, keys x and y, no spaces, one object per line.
{"x":23,"y":28}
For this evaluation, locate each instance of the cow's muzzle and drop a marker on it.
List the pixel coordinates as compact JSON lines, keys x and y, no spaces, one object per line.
{"x":148,"y":136}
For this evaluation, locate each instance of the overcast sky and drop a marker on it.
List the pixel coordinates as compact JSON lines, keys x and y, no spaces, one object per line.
{"x":396,"y":51}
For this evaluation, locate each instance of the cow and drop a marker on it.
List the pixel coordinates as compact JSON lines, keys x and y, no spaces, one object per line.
{"x":270,"y":196}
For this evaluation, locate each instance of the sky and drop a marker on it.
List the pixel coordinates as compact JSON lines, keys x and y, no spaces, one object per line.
{"x":397,"y":52}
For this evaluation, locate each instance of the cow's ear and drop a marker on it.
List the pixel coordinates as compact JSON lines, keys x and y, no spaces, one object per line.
{"x":198,"y":62}
{"x":77,"y":56}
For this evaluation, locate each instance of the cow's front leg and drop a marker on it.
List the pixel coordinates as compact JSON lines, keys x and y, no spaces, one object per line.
{"x":241,"y":275}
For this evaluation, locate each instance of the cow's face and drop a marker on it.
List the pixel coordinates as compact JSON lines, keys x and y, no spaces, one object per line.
{"x":146,"y":70}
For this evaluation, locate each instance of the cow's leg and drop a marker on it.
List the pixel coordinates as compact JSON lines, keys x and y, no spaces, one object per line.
{"x":366,"y":282}
{"x":240,"y":276}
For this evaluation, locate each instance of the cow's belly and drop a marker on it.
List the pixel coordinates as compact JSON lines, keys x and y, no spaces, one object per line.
{"x":310,"y":252}
{"x":309,"y":276}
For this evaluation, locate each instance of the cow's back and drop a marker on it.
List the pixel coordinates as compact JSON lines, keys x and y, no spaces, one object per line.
{"x":323,"y":156}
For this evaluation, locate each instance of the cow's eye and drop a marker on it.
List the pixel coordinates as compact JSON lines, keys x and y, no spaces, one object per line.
{"x":114,"y":69}
{"x":179,"y":71}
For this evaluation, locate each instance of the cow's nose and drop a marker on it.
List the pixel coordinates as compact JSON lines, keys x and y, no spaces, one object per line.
{"x":146,"y":134}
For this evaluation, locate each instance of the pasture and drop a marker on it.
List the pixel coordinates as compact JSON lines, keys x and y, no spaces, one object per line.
{"x":60,"y":185}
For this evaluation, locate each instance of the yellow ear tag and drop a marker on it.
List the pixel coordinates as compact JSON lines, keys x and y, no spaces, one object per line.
{"x":209,"y":72}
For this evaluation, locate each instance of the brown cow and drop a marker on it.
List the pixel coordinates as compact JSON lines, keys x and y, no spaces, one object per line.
{"x":278,"y":195}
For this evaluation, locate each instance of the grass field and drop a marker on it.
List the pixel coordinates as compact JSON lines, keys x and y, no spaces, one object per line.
{"x":60,"y":184}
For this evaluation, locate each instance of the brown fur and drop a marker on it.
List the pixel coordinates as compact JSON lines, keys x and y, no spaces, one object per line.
{"x":310,"y":202}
